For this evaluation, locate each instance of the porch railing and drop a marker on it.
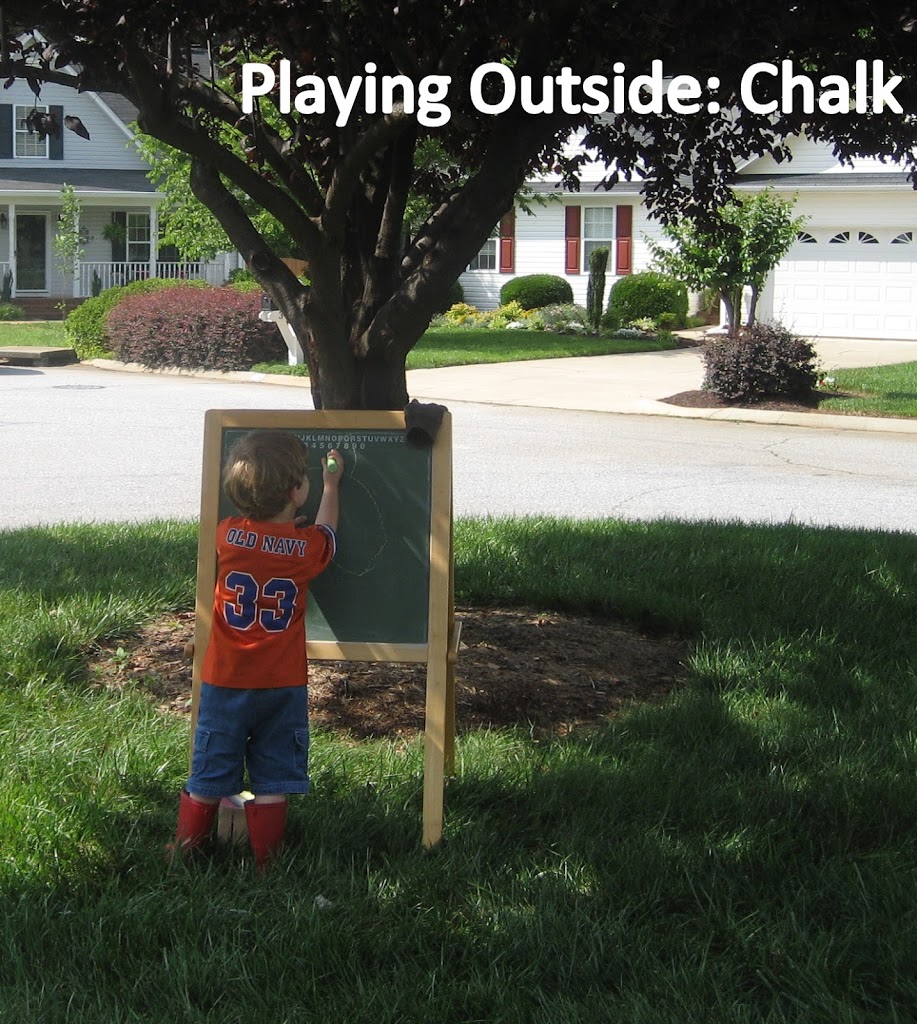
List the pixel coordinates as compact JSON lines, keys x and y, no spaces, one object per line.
{"x":94,"y":277}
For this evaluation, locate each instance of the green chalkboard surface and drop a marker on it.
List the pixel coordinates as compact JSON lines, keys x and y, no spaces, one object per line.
{"x":377,"y":588}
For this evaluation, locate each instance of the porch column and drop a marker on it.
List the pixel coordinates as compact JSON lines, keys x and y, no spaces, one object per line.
{"x":12,"y":216}
{"x":154,"y":239}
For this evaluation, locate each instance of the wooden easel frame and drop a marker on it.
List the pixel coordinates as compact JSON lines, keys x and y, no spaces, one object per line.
{"x":440,"y":652}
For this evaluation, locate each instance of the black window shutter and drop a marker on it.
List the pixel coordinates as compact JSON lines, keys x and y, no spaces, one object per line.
{"x":56,"y":142}
{"x":119,"y":245}
{"x":6,"y":131}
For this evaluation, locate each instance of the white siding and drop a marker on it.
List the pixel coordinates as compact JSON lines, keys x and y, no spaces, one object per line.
{"x":109,"y":145}
{"x":540,"y":248}
{"x":816,"y":158}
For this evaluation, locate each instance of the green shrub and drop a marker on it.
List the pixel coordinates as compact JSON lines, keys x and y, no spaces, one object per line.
{"x":213,"y":329}
{"x":85,"y":326}
{"x":532,"y":291}
{"x":510,"y":313}
{"x":648,"y":294}
{"x":10,"y":311}
{"x":764,"y":361}
{"x":241,"y":275}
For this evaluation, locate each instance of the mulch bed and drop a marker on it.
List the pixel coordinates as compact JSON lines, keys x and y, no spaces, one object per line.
{"x":547,"y":672}
{"x":708,"y":400}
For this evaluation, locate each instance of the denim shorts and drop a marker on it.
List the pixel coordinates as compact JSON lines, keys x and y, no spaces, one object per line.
{"x":263,"y":731}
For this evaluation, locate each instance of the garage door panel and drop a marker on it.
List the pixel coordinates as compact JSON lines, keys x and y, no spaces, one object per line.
{"x":820,"y":291}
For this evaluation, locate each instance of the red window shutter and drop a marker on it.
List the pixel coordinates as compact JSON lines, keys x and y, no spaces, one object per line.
{"x":624,"y":231}
{"x":572,"y":219}
{"x":508,"y":243}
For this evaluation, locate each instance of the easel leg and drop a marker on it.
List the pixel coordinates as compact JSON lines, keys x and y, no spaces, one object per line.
{"x":434,"y":766}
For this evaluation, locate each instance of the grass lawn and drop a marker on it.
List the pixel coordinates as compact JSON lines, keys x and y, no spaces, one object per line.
{"x":879,"y":390}
{"x":744,"y":850}
{"x":37,"y":332}
{"x":457,"y":348}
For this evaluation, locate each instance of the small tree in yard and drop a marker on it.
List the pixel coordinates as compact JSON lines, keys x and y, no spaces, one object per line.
{"x":68,"y":244}
{"x":737,"y":250}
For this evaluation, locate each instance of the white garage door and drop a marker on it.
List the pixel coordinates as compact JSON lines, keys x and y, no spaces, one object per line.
{"x":855,"y":284}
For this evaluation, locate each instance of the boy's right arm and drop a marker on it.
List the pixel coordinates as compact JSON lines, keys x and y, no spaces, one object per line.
{"x":329,"y":506}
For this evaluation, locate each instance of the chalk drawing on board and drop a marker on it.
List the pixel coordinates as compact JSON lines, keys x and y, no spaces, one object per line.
{"x":361,"y":508}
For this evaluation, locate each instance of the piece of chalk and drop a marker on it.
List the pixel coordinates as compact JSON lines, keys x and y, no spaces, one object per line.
{"x":331,"y":465}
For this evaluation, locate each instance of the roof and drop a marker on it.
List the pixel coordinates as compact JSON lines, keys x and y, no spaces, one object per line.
{"x":120,"y":106}
{"x":840,"y":181}
{"x":556,"y":188}
{"x":836,"y":180}
{"x":86,"y":181}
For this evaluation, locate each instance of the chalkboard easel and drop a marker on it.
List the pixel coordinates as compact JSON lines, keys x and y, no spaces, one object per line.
{"x":389,"y":595}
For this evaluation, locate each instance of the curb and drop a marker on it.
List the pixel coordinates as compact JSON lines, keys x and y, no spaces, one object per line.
{"x":639,"y":406}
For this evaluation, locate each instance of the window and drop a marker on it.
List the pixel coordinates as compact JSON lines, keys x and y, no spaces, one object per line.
{"x":138,"y":238}
{"x":865,"y":238}
{"x":840,"y":238}
{"x":486,"y":259}
{"x":598,"y":230}
{"x":26,"y":143}
{"x":805,"y":237}
{"x":905,"y":238}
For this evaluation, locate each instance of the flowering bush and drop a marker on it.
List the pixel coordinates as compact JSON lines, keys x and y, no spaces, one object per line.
{"x":511,"y":312}
{"x":464,"y":315}
{"x":190,"y":328}
{"x":564,"y":318}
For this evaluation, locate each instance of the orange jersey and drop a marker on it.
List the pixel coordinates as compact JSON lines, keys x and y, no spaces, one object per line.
{"x":258,"y":638}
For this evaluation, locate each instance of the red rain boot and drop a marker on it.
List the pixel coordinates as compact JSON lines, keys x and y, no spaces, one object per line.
{"x":266,"y":824}
{"x":195,"y":820}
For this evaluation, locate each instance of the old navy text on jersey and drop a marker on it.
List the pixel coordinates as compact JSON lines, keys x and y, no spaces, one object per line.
{"x":272,"y":545}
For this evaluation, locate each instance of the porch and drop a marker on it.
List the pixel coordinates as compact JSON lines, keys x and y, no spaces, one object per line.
{"x":118,"y":246}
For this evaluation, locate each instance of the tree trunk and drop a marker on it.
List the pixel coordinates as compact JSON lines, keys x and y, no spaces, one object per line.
{"x":343,"y":379}
{"x":728,"y":297}
{"x":752,"y":307}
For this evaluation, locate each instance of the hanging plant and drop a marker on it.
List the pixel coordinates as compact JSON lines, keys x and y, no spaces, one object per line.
{"x":115,"y":232}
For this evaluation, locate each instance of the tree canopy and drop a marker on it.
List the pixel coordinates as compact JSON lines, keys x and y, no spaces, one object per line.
{"x":338,"y":174}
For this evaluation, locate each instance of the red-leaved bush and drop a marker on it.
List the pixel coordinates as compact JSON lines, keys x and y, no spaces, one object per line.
{"x":194,"y":328}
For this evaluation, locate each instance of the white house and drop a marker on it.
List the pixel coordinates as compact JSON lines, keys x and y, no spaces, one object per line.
{"x":852,"y":273}
{"x":109,"y":179}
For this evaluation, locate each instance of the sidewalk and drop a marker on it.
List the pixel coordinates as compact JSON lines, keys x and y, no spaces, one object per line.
{"x":631,"y":383}
{"x":635,"y":383}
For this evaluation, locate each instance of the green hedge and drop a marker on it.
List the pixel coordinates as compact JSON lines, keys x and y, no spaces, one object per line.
{"x":648,"y":294}
{"x":532,"y":291}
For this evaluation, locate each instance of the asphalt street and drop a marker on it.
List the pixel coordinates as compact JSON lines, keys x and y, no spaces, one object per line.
{"x":86,"y":444}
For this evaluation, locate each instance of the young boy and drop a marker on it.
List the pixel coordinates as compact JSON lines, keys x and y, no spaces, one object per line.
{"x":253,"y":709}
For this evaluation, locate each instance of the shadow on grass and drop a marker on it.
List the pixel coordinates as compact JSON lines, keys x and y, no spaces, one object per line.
{"x":743,"y":850}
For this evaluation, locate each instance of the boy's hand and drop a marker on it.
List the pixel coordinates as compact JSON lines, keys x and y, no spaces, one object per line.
{"x":332,"y":468}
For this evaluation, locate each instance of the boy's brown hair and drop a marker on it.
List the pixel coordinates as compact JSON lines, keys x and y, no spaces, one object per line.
{"x":261,"y":469}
